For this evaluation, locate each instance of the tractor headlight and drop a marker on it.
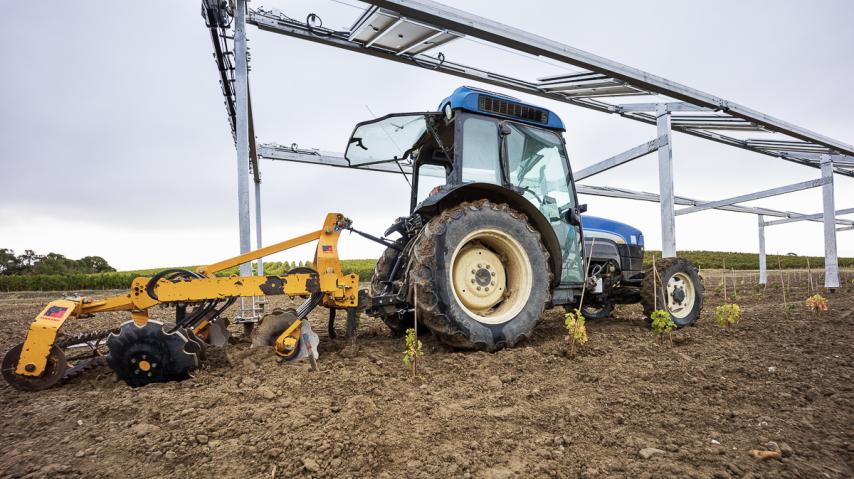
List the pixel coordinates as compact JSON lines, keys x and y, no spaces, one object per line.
{"x":449,"y":113}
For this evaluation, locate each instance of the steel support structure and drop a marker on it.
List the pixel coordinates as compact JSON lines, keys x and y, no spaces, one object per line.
{"x":793,"y":217}
{"x":258,"y":242}
{"x":242,"y":131}
{"x":754,"y":196}
{"x":831,"y":262}
{"x":763,"y":265}
{"x":685,"y":109}
{"x":617,"y":160}
{"x":665,"y":184}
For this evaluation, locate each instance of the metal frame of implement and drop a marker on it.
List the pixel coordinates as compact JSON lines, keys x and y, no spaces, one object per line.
{"x":339,"y":292}
{"x":406,"y":31}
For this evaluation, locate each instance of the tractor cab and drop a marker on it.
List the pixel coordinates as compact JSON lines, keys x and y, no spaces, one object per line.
{"x":484,"y":144}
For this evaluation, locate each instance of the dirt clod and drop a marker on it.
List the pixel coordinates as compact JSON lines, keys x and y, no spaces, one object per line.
{"x":648,"y":452}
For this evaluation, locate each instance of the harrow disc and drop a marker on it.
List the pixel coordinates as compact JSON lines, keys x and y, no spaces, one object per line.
{"x":53,"y":372}
{"x":272,"y":326}
{"x":147,"y":354}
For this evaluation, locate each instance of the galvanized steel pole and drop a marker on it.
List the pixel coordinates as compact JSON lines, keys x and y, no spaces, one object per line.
{"x":831,"y":264}
{"x":665,"y":181}
{"x":241,"y":91}
{"x":763,"y":266}
{"x":258,"y":243}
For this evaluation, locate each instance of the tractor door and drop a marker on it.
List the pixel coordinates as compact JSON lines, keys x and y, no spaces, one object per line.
{"x":536,"y":162}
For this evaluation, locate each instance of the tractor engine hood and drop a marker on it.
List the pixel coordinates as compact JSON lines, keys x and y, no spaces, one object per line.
{"x":620,"y":233}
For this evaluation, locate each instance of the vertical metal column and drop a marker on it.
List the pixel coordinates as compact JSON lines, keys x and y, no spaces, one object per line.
{"x":831,"y":264}
{"x":665,"y":182}
{"x":763,"y":266}
{"x":258,"y":243}
{"x":241,"y":90}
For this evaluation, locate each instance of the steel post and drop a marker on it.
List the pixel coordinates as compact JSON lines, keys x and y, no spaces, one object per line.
{"x":242,"y":131}
{"x":831,"y":265}
{"x":763,"y":266}
{"x":665,"y":181}
{"x":258,"y":243}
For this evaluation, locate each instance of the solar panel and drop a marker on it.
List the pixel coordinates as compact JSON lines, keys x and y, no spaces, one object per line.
{"x":386,"y":29}
{"x":587,"y":85}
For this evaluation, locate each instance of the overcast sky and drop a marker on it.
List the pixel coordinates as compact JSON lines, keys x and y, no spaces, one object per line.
{"x":114,"y":138}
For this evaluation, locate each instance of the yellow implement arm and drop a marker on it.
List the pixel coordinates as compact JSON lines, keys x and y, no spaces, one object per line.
{"x":338,"y":292}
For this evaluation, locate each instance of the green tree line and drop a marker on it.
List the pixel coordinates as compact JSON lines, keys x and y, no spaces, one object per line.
{"x":31,"y":263}
{"x":365,"y":269}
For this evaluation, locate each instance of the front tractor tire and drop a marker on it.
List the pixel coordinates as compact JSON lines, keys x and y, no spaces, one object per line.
{"x":676,"y":288}
{"x":481,"y":275}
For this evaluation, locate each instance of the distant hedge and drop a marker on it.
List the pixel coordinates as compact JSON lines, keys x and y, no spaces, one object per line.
{"x":78,"y":282}
{"x":365,"y":269}
{"x":717,"y":259}
{"x":71,"y":282}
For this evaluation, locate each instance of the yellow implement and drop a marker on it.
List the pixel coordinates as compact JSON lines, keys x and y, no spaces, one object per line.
{"x":145,"y":351}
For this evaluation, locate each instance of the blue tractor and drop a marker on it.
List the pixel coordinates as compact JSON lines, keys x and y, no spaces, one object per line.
{"x":495,"y":234}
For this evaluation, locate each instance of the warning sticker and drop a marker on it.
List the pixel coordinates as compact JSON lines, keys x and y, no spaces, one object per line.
{"x":55,"y":312}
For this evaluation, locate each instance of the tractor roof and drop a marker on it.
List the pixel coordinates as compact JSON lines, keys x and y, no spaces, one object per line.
{"x":502,"y":106}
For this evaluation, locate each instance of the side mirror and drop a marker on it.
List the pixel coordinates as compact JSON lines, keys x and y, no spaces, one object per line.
{"x":573,"y":215}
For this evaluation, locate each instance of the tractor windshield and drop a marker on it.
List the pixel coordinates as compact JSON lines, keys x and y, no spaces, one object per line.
{"x":537,"y":163}
{"x":385,"y":139}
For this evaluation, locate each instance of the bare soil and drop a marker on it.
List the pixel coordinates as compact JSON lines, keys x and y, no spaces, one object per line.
{"x":782,"y":375}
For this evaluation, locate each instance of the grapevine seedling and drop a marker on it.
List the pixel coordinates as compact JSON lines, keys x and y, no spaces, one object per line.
{"x":412,"y":352}
{"x":662,"y":324}
{"x":817,"y":303}
{"x":727,"y":315}
{"x":576,"y":332}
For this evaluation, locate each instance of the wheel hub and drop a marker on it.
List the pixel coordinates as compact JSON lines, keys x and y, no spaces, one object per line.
{"x":483,"y":277}
{"x":480,"y":280}
{"x":679,"y":294}
{"x":491,"y":276}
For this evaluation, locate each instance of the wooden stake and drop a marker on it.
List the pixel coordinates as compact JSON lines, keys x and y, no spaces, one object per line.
{"x":724,"y":277}
{"x":654,"y":285}
{"x":783,"y":284}
{"x":734,"y":284}
{"x":415,"y":327}
{"x":809,"y":273}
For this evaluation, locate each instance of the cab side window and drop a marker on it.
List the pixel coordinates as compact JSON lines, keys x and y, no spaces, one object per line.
{"x":480,"y":151}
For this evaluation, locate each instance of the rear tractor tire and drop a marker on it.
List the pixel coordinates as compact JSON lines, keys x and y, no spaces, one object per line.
{"x":679,"y":291}
{"x":482,"y":276}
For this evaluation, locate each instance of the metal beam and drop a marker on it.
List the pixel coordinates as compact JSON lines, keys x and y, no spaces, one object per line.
{"x":242,"y":130}
{"x":847,"y":228}
{"x":443,"y":16}
{"x":812,"y":217}
{"x":754,"y":196}
{"x":842,"y":160}
{"x":763,"y":266}
{"x":619,"y":159}
{"x":274,"y":151}
{"x":653,"y":107}
{"x":665,"y":184}
{"x":831,"y":263}
{"x":272,"y":21}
